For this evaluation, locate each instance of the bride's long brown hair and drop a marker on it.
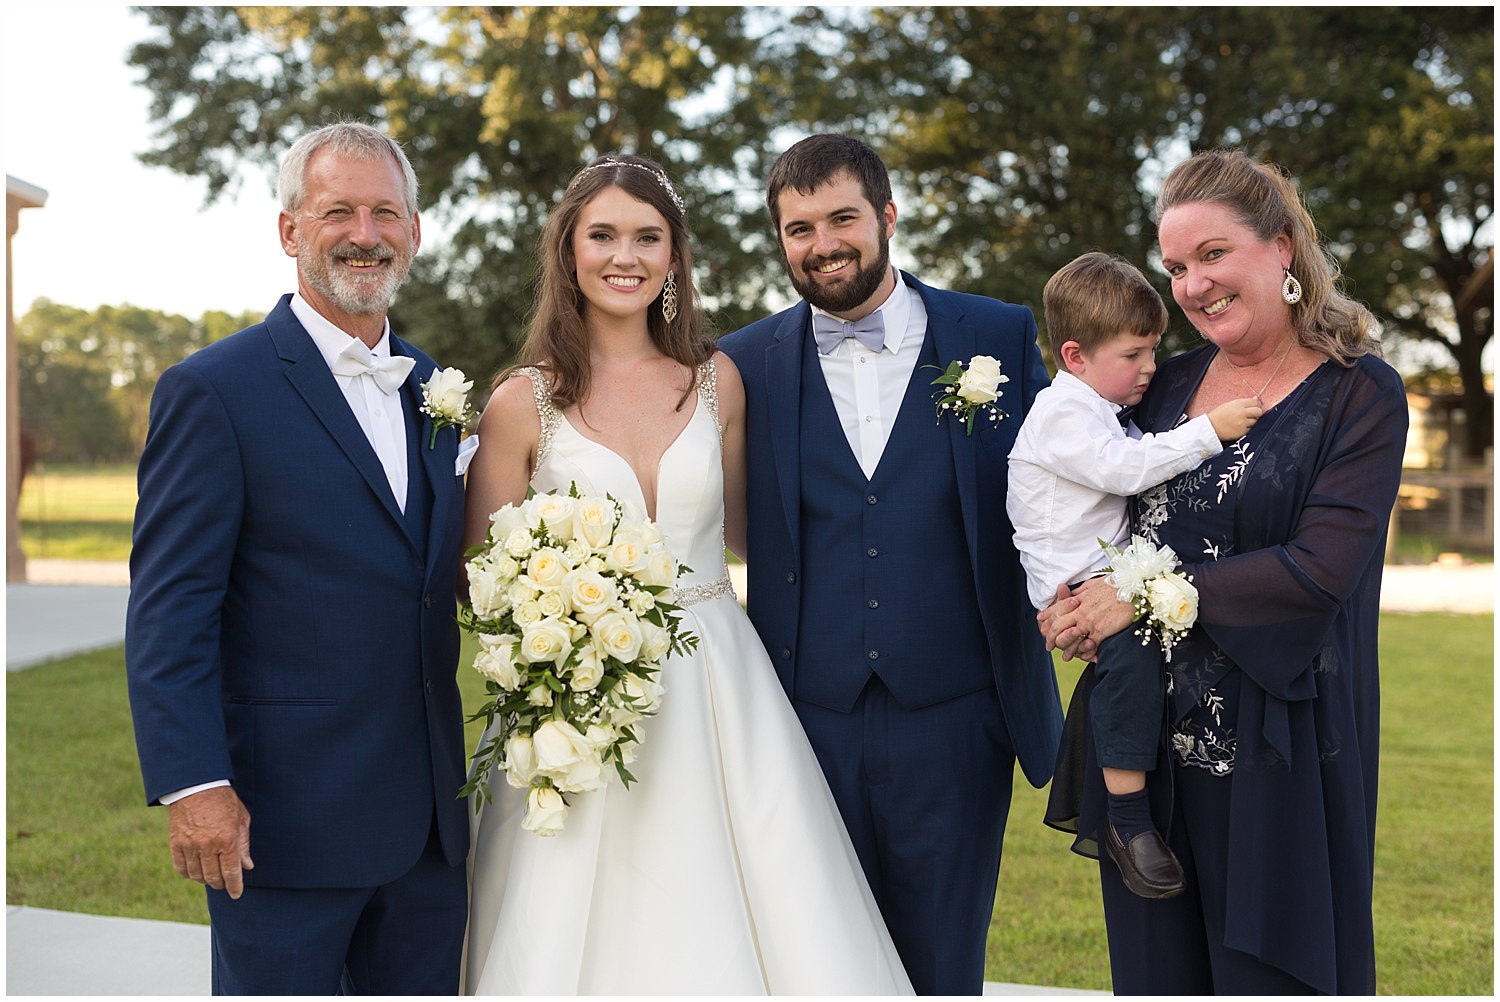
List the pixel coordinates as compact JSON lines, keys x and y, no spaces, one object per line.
{"x":556,"y":337}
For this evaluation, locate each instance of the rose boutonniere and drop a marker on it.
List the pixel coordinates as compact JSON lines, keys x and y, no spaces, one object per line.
{"x":966,"y":391}
{"x":445,"y":399}
{"x":1147,"y":578}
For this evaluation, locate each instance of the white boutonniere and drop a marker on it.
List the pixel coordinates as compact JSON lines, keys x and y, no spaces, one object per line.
{"x":1147,"y":578}
{"x":445,"y":399}
{"x":966,"y":391}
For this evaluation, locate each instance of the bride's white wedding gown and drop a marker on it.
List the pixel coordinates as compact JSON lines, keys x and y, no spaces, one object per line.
{"x":725,"y":870}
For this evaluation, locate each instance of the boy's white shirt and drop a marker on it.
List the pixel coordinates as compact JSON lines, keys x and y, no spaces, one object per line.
{"x":1071,"y":470}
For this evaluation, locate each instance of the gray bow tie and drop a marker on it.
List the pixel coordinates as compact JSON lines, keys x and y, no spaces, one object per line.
{"x":388,"y":372}
{"x":828,"y":331}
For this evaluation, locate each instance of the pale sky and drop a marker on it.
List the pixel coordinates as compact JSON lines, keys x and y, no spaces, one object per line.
{"x":114,"y":231}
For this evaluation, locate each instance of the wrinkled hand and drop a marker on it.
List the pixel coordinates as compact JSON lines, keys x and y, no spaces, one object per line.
{"x":210,"y":835}
{"x":1079,"y":620}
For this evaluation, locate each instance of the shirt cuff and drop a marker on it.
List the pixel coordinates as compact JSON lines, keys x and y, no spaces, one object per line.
{"x":172,"y":798}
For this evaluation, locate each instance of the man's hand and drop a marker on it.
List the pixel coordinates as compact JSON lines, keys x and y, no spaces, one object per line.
{"x":211,"y":839}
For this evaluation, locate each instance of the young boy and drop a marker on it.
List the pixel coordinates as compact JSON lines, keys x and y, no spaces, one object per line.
{"x":1071,"y":470}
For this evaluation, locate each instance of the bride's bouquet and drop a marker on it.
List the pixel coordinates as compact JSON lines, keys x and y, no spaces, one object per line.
{"x":1146,"y":576}
{"x":571,"y":598}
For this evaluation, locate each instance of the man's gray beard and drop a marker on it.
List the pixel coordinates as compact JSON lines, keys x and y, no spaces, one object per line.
{"x":860,"y":288}
{"x":354,"y":295}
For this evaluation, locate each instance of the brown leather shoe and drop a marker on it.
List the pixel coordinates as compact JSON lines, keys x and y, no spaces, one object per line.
{"x":1146,"y":864}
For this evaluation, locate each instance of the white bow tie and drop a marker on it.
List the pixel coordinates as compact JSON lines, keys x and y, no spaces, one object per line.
{"x":388,"y":372}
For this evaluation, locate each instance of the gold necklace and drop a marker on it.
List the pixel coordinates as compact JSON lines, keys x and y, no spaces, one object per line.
{"x":1274,"y":373}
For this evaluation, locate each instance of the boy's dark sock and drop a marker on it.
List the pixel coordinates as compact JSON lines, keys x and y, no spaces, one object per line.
{"x":1131,"y":813}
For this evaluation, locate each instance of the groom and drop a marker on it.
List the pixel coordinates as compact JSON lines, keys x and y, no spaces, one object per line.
{"x":882,"y":576}
{"x":290,"y":640}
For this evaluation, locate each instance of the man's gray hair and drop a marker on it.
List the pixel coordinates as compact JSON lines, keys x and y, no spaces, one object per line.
{"x":347,"y":139}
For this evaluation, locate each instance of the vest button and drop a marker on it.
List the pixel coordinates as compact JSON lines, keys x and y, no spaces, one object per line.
{"x":873,"y":603}
{"x":791,"y":577}
{"x":872,"y":552}
{"x":786,"y":654}
{"x":874,"y":655}
{"x":870,"y":499}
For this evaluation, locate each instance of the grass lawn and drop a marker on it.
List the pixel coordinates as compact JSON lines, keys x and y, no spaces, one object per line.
{"x":78,"y":513}
{"x":79,"y":838}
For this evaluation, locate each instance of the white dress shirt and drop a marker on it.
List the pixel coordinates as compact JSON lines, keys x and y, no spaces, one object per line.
{"x":381,"y":415}
{"x":868,"y":386}
{"x":1071,"y":470}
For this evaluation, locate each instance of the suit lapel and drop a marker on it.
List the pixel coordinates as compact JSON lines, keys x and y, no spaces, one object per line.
{"x":784,"y":382}
{"x":436,"y":463}
{"x":309,"y":376}
{"x":955,"y":339}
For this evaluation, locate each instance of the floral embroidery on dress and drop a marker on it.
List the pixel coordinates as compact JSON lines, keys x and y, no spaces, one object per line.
{"x":1236,"y":469}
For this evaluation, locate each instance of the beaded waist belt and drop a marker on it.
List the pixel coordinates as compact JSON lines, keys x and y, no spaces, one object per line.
{"x":694,"y":594}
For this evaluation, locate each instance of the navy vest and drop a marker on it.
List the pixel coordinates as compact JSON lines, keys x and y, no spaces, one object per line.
{"x":887,"y":585}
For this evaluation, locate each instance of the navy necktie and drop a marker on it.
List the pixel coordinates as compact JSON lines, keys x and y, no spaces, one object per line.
{"x":828,"y":331}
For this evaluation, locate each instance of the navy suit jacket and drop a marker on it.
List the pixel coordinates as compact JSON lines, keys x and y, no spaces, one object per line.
{"x":768,"y":354}
{"x":284,"y":630}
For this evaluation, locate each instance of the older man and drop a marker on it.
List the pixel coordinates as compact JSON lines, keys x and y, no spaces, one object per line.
{"x":290,"y":643}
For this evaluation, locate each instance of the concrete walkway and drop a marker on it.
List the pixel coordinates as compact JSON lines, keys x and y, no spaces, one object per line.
{"x":83,"y":608}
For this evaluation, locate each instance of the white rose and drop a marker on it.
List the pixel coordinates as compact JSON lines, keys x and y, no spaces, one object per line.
{"x":546,"y":640}
{"x":655,"y":641}
{"x":527,"y":613}
{"x":587,"y":672}
{"x":508,"y":519}
{"x":506,"y":567}
{"x":539,"y":695}
{"x":577,"y":551}
{"x":447,"y":390}
{"x":555,"y":511}
{"x":1174,"y":602}
{"x":980,"y":383}
{"x":486,"y":591}
{"x":519,"y":542}
{"x":521,"y":591}
{"x":520,"y":761}
{"x":640,"y":602}
{"x":567,"y":757}
{"x":588,"y":593}
{"x":547,"y":567}
{"x":634,"y":698}
{"x":660,"y":569}
{"x":594,"y":521}
{"x":627,"y":555}
{"x":496,"y":660}
{"x":545,"y":811}
{"x":552,"y":604}
{"x":617,"y":635}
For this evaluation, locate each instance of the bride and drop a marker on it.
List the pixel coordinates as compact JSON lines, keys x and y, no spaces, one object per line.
{"x":725,"y":869}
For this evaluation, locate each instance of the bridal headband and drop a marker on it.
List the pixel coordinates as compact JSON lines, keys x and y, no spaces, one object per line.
{"x":661,"y":178}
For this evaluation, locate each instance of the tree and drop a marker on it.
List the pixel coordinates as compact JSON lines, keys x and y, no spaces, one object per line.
{"x":497,"y":106}
{"x":1028,"y":136}
{"x":87,"y":377}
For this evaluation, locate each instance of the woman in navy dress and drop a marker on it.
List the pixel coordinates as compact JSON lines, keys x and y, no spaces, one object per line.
{"x":1272,"y":740}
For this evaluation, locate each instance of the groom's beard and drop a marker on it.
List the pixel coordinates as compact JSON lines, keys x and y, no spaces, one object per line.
{"x":845,"y":296}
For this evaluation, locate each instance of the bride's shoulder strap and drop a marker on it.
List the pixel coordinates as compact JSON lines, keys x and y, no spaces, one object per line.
{"x":541,"y":392}
{"x":708,"y":391}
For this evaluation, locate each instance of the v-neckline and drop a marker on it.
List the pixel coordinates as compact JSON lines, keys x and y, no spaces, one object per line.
{"x":634,"y":473}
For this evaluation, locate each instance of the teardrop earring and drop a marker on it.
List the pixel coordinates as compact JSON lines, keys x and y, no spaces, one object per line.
{"x":1291,"y":290}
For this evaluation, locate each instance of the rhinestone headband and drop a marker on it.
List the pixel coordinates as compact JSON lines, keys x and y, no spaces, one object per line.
{"x":661,"y":178}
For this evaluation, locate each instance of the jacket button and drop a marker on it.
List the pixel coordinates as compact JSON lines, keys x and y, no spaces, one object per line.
{"x":791,"y":577}
{"x":873,"y":603}
{"x":870,"y":499}
{"x":427,"y":601}
{"x":874,"y":655}
{"x":786,"y":654}
{"x":872,"y":552}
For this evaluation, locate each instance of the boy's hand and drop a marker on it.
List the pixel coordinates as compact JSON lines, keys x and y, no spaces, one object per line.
{"x":1233,"y":419}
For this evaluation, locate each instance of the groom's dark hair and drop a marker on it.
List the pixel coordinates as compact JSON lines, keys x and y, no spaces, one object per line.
{"x":812,"y":162}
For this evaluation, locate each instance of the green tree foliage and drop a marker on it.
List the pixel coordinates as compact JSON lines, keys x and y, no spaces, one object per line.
{"x":1031,"y":135}
{"x":87,"y":377}
{"x":497,"y":107}
{"x":1018,"y":137}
